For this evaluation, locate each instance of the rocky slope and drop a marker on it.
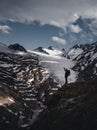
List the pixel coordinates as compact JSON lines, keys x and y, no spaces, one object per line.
{"x":16,"y":47}
{"x":24,"y":86}
{"x":73,"y":107}
{"x":85,"y":58}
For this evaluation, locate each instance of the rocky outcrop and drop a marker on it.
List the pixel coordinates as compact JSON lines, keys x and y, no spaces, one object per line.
{"x":17,"y":47}
{"x":73,"y":107}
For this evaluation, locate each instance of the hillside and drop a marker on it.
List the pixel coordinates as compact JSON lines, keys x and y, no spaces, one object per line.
{"x":73,"y":107}
{"x":24,"y":88}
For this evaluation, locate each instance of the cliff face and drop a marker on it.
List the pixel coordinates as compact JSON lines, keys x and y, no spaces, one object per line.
{"x":17,"y":47}
{"x":73,"y":107}
{"x":24,"y":88}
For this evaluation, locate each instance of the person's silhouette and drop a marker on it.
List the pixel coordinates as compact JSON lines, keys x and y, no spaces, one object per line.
{"x":67,"y":73}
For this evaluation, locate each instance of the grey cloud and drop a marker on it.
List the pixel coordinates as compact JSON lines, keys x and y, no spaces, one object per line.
{"x":56,"y":12}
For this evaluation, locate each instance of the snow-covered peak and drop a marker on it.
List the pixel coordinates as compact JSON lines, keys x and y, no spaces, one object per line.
{"x":49,"y":51}
{"x":53,"y":52}
{"x":13,"y":48}
{"x":77,"y":46}
{"x":84,"y":50}
{"x":73,"y":53}
{"x":40,"y":50}
{"x":51,"y":48}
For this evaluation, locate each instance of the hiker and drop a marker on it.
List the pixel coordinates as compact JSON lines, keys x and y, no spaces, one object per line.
{"x":67,"y":73}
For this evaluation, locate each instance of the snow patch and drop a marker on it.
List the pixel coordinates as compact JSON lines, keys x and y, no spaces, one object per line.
{"x":73,"y":53}
{"x":53,"y":52}
{"x":94,"y":56}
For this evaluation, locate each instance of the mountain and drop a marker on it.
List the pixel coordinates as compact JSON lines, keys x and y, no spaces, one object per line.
{"x":85,"y":58}
{"x":31,"y":87}
{"x":41,"y":49}
{"x":50,"y":50}
{"x":24,"y":89}
{"x":17,"y":47}
{"x":13,"y":48}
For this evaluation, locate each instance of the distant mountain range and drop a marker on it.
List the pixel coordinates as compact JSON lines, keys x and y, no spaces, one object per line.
{"x":50,"y":50}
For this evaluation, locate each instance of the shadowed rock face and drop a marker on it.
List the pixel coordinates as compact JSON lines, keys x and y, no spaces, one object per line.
{"x":85,"y":58}
{"x":40,"y":49}
{"x":73,"y":107}
{"x":21,"y":98}
{"x":17,"y":47}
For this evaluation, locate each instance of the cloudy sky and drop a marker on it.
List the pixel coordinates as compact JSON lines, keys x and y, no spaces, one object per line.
{"x":59,"y":23}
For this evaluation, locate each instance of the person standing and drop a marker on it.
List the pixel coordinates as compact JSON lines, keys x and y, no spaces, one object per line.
{"x":67,"y":73}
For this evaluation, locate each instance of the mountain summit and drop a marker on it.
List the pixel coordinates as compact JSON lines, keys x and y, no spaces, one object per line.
{"x":17,"y":47}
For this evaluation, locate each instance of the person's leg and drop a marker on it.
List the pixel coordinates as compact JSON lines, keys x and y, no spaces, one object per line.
{"x":65,"y":79}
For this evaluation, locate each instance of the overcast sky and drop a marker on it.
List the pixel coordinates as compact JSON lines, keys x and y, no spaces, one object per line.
{"x":19,"y":16}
